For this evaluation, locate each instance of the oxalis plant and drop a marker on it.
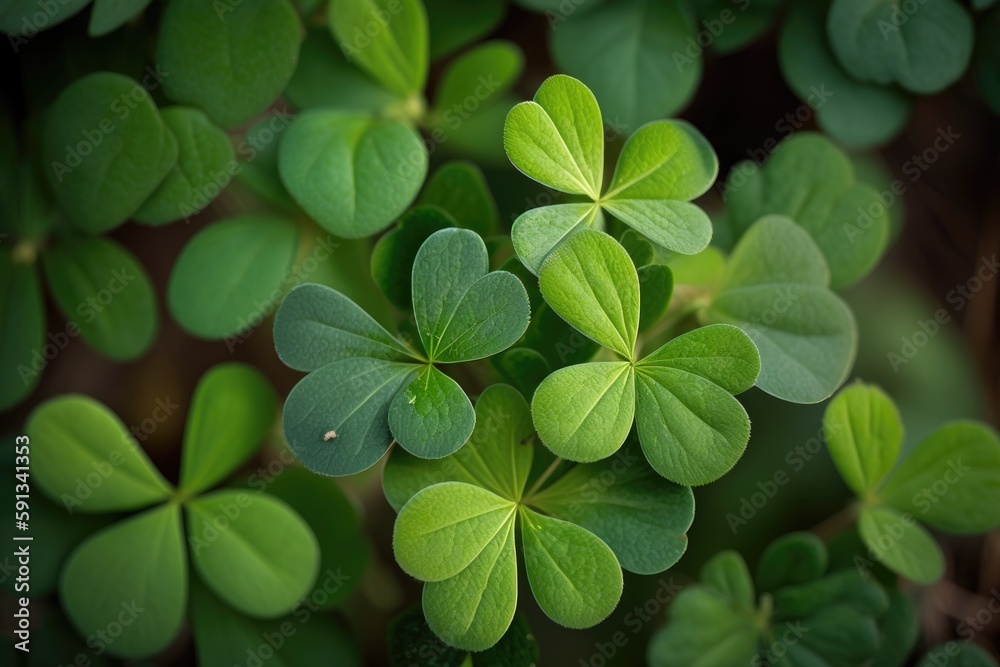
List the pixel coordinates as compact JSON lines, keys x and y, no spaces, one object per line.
{"x":840,"y":603}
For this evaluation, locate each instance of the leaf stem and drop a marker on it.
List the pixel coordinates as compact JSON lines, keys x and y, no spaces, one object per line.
{"x":544,"y":476}
{"x":837,"y":523}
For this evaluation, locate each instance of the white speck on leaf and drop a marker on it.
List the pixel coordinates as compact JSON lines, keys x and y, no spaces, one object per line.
{"x":330,"y":435}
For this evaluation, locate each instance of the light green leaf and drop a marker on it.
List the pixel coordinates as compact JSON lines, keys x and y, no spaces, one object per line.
{"x":775,"y":290}
{"x":108,"y":15}
{"x":863,"y":433}
{"x":473,"y":609}
{"x":442,"y":529}
{"x":431,"y":417}
{"x":460,"y":189}
{"x":558,"y":139}
{"x":107,"y":149}
{"x":22,"y":330}
{"x":84,"y":457}
{"x":325,"y":79}
{"x":790,"y":560}
{"x":901,"y":544}
{"x":233,"y":408}
{"x":102,"y":288}
{"x":855,"y":113}
{"x":537,"y":231}
{"x":704,"y":630}
{"x":317,"y":325}
{"x":246,"y":53}
{"x":136,"y":570}
{"x":495,"y":458}
{"x":353,"y":174}
{"x":811,"y":181}
{"x":205,"y":159}
{"x":951,"y":480}
{"x":924,"y":47}
{"x":641,"y":516}
{"x":393,"y":255}
{"x":575,"y":576}
{"x":17,"y":17}
{"x":589,"y":280}
{"x":483,"y":74}
{"x":230,"y":274}
{"x":236,"y":537}
{"x":727,"y":574}
{"x":584,"y":412}
{"x":633,"y":55}
{"x":386,"y":38}
{"x":462,"y":312}
{"x":722,"y":354}
{"x":455,"y":23}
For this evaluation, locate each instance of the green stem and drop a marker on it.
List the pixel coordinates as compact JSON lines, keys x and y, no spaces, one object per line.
{"x":544,"y":476}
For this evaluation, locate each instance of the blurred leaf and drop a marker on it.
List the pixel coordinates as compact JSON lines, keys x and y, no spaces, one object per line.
{"x":481,"y":75}
{"x":109,"y":15}
{"x":455,"y":23}
{"x":790,"y":560}
{"x":955,"y":654}
{"x":522,"y":367}
{"x":411,"y":643}
{"x":460,"y":189}
{"x":704,"y":629}
{"x":727,"y":574}
{"x":898,"y":631}
{"x":22,"y":331}
{"x":656,"y":286}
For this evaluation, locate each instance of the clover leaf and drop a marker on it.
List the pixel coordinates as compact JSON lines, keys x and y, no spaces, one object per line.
{"x":811,"y":181}
{"x":856,"y":113}
{"x":924,"y":48}
{"x":775,"y":289}
{"x":247,"y":52}
{"x":808,"y":615}
{"x":642,"y":73}
{"x":139,"y":566}
{"x":691,"y":428}
{"x":558,"y":140}
{"x":366,"y":388}
{"x":458,"y":517}
{"x":948,"y":481}
{"x":106,"y":148}
{"x":412,"y":643}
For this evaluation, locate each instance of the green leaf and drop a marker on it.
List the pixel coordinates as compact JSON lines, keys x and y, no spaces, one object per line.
{"x":317,"y":325}
{"x":107,"y":149}
{"x":591,"y":283}
{"x":17,"y":17}
{"x":856,"y":113}
{"x":473,"y":609}
{"x":353,"y":174}
{"x":898,"y":630}
{"x":656,"y":286}
{"x":455,"y":23}
{"x":238,"y":537}
{"x":336,"y":418}
{"x":956,"y":654}
{"x":727,"y":574}
{"x":847,"y":588}
{"x":901,"y":544}
{"x":325,"y":79}
{"x":775,"y":290}
{"x":584,"y":413}
{"x":495,"y":458}
{"x":517,"y":648}
{"x":537,"y":231}
{"x":246,"y":54}
{"x":443,"y":528}
{"x":259,"y":166}
{"x":386,"y":38}
{"x":344,"y":548}
{"x":431,"y":417}
{"x":22,"y":330}
{"x":811,"y":181}
{"x":230,"y":274}
{"x":393,"y":255}
{"x":232,"y":409}
{"x":924,"y":48}
{"x":863,"y":433}
{"x":639,"y":69}
{"x":522,"y":367}
{"x":790,"y":560}
{"x":204,"y":160}
{"x":410,"y":643}
{"x":835,"y":635}
{"x":460,"y":189}
{"x":704,"y":630}
{"x":951,"y":480}
{"x":135,"y":570}
{"x":483,"y":74}
{"x":83,"y":456}
{"x":558,"y":138}
{"x":109,"y":15}
{"x":575,"y":576}
{"x":463,"y":312}
{"x":641,"y":516}
{"x":722,"y":354}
